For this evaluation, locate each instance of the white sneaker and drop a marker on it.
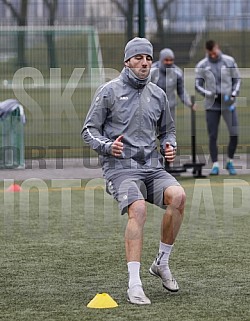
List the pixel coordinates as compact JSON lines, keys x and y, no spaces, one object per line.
{"x":136,"y":295}
{"x":168,"y":281}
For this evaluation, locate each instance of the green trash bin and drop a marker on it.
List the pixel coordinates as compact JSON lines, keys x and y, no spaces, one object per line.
{"x":12,"y":120}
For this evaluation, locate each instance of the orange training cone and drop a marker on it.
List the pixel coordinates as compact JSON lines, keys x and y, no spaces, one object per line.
{"x":14,"y":188}
{"x":102,"y":301}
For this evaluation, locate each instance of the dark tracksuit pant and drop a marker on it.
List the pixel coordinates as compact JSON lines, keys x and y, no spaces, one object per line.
{"x":213,"y":119}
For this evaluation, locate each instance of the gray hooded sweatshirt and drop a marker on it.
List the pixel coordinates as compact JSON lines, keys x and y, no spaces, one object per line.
{"x":136,"y":109}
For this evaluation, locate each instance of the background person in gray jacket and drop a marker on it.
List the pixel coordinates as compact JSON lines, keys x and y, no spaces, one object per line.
{"x":125,"y":119}
{"x":169,"y":78}
{"x":218,"y":80}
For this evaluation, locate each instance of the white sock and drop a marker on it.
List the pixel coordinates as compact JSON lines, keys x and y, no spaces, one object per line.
{"x":164,"y":253}
{"x":134,"y":273}
{"x":215,"y":164}
{"x":229,"y":160}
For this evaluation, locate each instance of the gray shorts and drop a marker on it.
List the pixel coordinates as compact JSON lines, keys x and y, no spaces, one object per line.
{"x":129,"y":185}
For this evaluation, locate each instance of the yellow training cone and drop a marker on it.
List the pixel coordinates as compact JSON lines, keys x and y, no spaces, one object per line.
{"x":102,"y":301}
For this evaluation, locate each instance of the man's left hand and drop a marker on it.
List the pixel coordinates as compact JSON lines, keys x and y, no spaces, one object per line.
{"x":170,"y":153}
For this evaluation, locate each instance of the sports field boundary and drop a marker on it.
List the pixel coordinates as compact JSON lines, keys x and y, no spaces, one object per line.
{"x":75,"y":168}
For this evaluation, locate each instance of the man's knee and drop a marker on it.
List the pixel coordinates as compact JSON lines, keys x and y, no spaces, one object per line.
{"x":175,"y":196}
{"x":137,"y":211}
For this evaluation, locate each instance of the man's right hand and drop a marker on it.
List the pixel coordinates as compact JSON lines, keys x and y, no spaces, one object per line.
{"x":228,"y":101}
{"x":117,"y":147}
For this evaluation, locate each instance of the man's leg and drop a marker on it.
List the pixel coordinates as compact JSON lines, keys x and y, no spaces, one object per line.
{"x":130,"y":192}
{"x":231,"y":120}
{"x":174,"y":198}
{"x":133,"y":245}
{"x":134,"y":230}
{"x":213,"y":120}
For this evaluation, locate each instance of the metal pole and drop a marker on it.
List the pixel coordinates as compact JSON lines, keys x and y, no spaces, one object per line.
{"x":141,"y":18}
{"x":193,"y":131}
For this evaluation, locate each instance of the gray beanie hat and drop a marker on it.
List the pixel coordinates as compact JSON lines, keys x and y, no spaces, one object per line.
{"x":166,"y":53}
{"x":138,"y":46}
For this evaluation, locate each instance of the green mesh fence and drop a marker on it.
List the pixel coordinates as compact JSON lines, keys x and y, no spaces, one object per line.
{"x":52,"y":79}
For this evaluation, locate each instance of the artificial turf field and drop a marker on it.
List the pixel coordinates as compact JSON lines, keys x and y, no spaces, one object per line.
{"x":58,"y":251}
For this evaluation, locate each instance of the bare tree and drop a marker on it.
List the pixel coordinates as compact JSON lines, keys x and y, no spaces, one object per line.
{"x":127,"y":9}
{"x":52,"y":8}
{"x":161,"y":10}
{"x":21,"y":17}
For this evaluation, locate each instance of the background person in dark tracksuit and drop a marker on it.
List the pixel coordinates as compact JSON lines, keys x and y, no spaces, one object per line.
{"x":169,"y":78}
{"x":218,"y":80}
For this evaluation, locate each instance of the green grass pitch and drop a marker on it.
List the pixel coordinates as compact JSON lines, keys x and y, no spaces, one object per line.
{"x":52,"y":266}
